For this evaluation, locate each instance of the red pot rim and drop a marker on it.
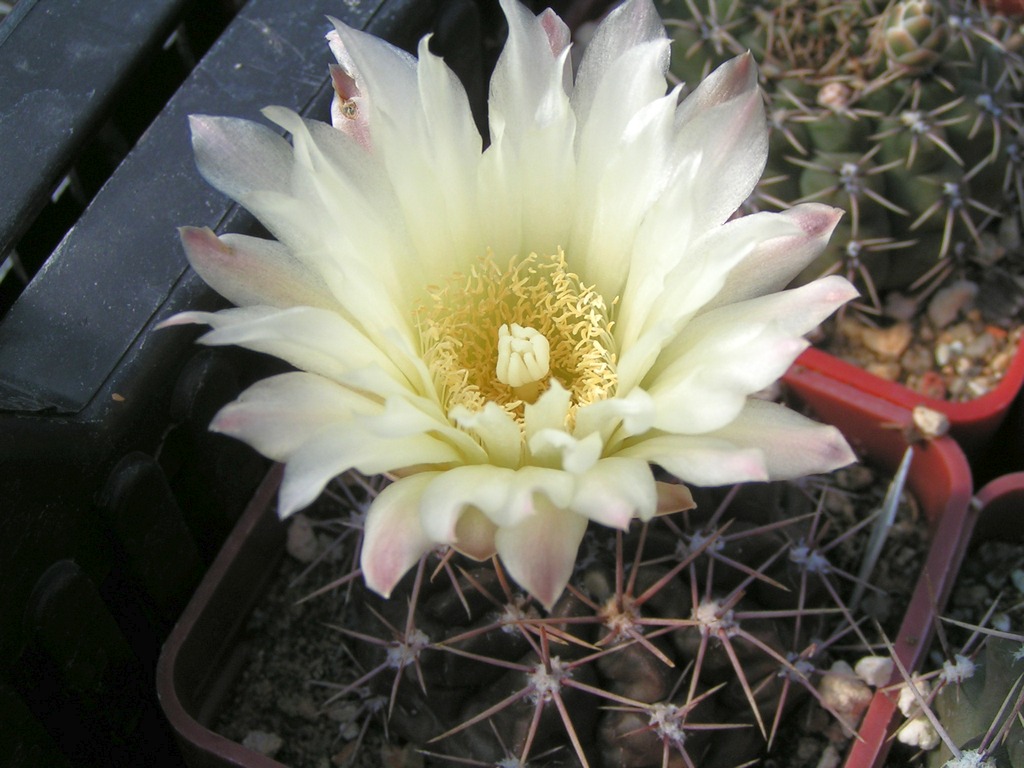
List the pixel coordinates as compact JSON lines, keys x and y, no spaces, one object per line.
{"x":1001,"y":502}
{"x":971,"y":422}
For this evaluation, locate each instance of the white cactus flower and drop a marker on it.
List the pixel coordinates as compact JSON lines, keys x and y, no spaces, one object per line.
{"x":515,"y":332}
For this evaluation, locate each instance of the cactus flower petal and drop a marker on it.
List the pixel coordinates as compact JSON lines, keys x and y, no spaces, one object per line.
{"x":385,"y":557}
{"x":775,"y":261}
{"x":278,"y":414}
{"x":722,"y":356}
{"x":704,"y":459}
{"x":615,"y":491}
{"x":250,"y":270}
{"x":540,"y":552}
{"x":514,"y":328}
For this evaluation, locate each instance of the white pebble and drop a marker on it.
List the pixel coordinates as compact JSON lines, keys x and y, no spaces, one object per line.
{"x":929,"y":423}
{"x":907,"y":701}
{"x":947,"y":304}
{"x":874,"y":670}
{"x":301,"y":543}
{"x":844,"y":692}
{"x":918,"y":732}
{"x":830,"y":757}
{"x":265,"y":743}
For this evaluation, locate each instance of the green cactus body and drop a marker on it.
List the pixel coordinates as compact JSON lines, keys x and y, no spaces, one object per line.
{"x":919,"y":99}
{"x":975,"y":712}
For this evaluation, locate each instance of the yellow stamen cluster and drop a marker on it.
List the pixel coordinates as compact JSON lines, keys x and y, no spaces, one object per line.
{"x":460,"y":326}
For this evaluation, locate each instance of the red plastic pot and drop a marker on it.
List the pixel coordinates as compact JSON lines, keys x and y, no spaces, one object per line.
{"x":972,"y":423}
{"x":1001,"y":504}
{"x":939,"y":478}
{"x":202,"y":657}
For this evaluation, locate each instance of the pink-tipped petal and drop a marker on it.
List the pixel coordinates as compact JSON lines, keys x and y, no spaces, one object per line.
{"x":732,"y":139}
{"x":678,"y":296}
{"x":558,"y":33}
{"x":393,"y":541}
{"x":341,"y":54}
{"x":529,"y":168}
{"x":345,"y":87}
{"x":456,"y":491}
{"x":311,"y":339}
{"x":497,"y":431}
{"x":624,"y":138}
{"x":505,"y":496}
{"x":225,"y":147}
{"x":732,"y":79}
{"x":792,"y":444}
{"x":702,"y":460}
{"x":540,"y":552}
{"x":550,"y":410}
{"x":337,"y":449}
{"x":723,"y":356}
{"x":776,"y":261}
{"x":705,"y":389}
{"x":185,"y":318}
{"x":556,"y":447}
{"x":279,"y":414}
{"x":615,"y":491}
{"x":384,"y":74}
{"x":529,"y":66}
{"x":629,"y":28}
{"x":793,"y":312}
{"x":349,"y":107}
{"x":248,"y":270}
{"x":617,"y":418}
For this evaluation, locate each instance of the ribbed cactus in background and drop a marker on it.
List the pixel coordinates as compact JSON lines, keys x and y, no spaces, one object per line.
{"x":908,"y":115}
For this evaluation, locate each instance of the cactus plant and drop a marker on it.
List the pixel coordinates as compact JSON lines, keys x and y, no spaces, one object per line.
{"x":979,"y":711}
{"x":722,"y":619}
{"x":966,"y":713}
{"x":906,"y":114}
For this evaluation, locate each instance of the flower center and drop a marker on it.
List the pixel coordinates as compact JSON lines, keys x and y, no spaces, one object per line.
{"x":501,"y":333}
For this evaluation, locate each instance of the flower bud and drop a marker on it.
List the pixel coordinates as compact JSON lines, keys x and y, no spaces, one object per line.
{"x":914,"y":35}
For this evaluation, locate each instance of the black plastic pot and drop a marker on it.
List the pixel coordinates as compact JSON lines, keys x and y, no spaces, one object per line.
{"x":114,"y":495}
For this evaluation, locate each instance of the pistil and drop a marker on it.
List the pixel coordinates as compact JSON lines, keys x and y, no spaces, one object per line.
{"x":524,"y":360}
